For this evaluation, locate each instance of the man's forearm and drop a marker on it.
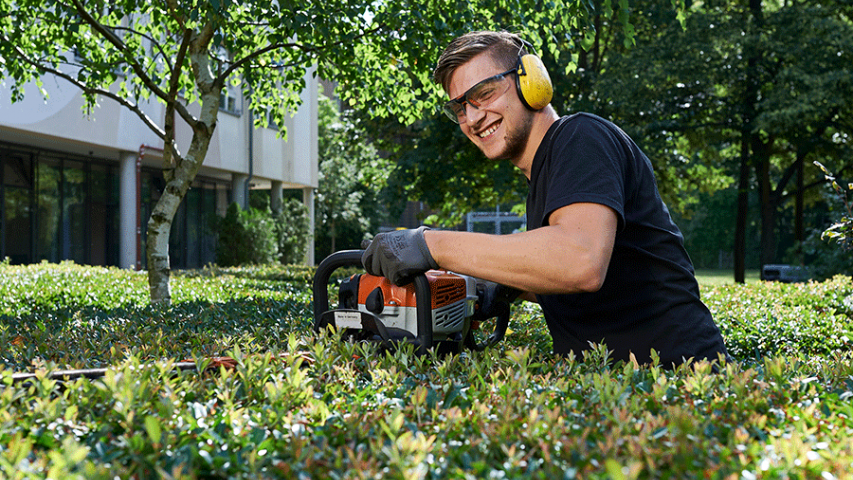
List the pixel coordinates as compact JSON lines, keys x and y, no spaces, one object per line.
{"x":536,"y":262}
{"x":528,"y":297}
{"x":569,"y":255}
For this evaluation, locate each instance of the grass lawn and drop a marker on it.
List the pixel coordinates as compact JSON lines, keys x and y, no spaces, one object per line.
{"x":712,"y":276}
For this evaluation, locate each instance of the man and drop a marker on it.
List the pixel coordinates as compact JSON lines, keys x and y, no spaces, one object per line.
{"x":601,"y":254}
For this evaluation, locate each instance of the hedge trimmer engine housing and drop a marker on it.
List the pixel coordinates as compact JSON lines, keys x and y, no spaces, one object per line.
{"x":452,"y":301}
{"x":438,"y":309}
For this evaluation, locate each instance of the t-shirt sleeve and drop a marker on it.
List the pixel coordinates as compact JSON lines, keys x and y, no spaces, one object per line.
{"x":587,"y":165}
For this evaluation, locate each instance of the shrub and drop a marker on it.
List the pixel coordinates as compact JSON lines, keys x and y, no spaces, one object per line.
{"x":773,"y":318}
{"x":246,"y":237}
{"x":291,"y":231}
{"x":300,"y":405}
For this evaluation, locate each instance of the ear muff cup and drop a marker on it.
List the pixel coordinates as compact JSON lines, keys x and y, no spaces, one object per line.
{"x":533,"y":83}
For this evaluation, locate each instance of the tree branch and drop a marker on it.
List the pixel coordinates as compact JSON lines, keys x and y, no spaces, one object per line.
{"x":169,"y":119}
{"x":136,"y":66}
{"x":90,"y":90}
{"x":307,"y":49}
{"x":257,"y":53}
{"x":173,"y":8}
{"x":787,"y":174}
{"x":153,"y":41}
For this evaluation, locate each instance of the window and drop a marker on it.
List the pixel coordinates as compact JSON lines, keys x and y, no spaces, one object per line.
{"x":228,"y":101}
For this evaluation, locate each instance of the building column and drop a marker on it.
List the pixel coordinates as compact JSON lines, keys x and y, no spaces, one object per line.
{"x":308,"y":201}
{"x":275,"y":197}
{"x":239,"y":190}
{"x":129,"y":228}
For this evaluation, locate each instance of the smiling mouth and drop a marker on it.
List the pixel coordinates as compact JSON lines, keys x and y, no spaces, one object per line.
{"x":489,"y":131}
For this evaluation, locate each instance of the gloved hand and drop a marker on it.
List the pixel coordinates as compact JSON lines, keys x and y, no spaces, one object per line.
{"x":398,"y":255}
{"x":492,"y":298}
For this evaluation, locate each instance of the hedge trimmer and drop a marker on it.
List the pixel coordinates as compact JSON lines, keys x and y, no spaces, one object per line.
{"x":439,"y":309}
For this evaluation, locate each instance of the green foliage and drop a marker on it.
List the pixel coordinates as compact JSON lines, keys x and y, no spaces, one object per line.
{"x":291,"y":231}
{"x":258,"y":237}
{"x":777,"y":319}
{"x":351,"y":176}
{"x":439,"y":166}
{"x":265,"y":47}
{"x":83,"y":317}
{"x":842,"y":230}
{"x":823,"y":259}
{"x":708,"y":225}
{"x":245,"y":237}
{"x":300,"y":405}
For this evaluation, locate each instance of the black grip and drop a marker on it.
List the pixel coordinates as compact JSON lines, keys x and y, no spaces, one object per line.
{"x":351,"y":258}
{"x":344,"y":258}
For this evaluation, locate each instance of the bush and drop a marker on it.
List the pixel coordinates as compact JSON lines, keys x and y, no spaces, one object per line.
{"x":300,"y":405}
{"x":291,"y":231}
{"x":256,"y":236}
{"x":813,"y":319}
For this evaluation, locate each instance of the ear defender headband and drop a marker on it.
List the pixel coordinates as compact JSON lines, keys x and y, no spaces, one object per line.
{"x":532,"y":80}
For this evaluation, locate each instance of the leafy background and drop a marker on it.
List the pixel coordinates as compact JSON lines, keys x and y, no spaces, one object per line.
{"x":301,"y":406}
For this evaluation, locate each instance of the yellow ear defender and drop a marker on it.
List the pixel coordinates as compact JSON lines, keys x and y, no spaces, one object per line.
{"x":533,"y":82}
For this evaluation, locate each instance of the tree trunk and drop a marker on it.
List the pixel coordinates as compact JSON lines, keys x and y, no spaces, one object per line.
{"x":160,"y":222}
{"x":186,"y":168}
{"x":742,"y":210}
{"x":799,"y":224}
{"x":332,"y":235}
{"x":750,"y":98}
{"x":768,"y":203}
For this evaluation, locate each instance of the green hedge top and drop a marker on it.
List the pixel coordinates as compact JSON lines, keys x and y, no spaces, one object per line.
{"x":301,"y":406}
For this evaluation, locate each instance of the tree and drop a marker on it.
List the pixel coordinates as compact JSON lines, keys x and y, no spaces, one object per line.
{"x":748,"y":91}
{"x":351,"y":176}
{"x":182,"y":53}
{"x":435,"y":164}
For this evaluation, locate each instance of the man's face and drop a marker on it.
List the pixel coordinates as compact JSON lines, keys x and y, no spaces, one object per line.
{"x":501,"y":128}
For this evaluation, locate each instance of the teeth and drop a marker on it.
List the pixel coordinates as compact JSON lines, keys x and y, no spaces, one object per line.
{"x":488,"y":132}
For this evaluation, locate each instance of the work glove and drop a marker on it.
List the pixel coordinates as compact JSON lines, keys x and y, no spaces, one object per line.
{"x":398,"y":255}
{"x":492,"y":299}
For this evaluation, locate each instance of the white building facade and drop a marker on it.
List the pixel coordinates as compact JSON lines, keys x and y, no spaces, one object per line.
{"x":81,"y":187}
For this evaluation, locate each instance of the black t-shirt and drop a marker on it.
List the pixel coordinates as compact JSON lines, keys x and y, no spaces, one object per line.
{"x":650,"y":298}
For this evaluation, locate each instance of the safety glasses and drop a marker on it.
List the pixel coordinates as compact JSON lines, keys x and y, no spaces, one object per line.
{"x":479,"y":96}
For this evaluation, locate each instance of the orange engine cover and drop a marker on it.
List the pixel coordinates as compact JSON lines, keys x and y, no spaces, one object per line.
{"x":445,"y":289}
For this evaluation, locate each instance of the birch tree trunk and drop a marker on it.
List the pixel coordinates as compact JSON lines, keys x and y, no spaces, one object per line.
{"x":178,"y":181}
{"x":160,"y":222}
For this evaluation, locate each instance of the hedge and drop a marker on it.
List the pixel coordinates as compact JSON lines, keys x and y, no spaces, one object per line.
{"x":299,"y":405}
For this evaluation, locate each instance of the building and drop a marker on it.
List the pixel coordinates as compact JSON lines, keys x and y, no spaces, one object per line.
{"x":81,"y":188}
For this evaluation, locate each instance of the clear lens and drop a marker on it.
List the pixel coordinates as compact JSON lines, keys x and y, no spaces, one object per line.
{"x":486,"y":92}
{"x":454,"y":111}
{"x":479,"y":96}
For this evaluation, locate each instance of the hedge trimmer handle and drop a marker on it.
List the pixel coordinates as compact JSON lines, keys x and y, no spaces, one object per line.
{"x":352,"y":258}
{"x":494,"y":300}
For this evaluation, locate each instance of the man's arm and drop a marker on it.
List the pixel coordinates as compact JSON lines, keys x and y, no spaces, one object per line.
{"x":569,"y":255}
{"x":528,"y":297}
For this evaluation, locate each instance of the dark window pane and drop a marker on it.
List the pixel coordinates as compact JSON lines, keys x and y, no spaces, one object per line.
{"x":193,"y":224}
{"x":74,"y":215}
{"x":100,"y":222}
{"x":17,"y":204}
{"x":49,"y":176}
{"x":208,"y":239}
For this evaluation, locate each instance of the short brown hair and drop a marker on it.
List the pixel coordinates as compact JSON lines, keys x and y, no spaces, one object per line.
{"x":505,"y":48}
